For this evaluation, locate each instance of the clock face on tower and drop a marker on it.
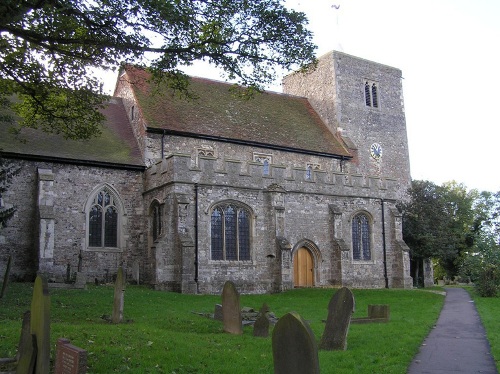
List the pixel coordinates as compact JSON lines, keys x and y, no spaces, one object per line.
{"x":376,"y":151}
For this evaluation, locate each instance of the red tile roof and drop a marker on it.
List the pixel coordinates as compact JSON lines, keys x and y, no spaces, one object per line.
{"x":115,"y":145}
{"x":270,"y":118}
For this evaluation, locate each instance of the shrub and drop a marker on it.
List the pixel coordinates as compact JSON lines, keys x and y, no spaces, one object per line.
{"x":488,"y":282}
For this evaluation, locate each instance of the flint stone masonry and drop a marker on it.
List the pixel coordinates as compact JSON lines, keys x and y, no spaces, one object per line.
{"x":186,"y":175}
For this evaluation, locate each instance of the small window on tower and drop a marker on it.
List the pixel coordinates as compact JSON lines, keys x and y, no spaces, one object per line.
{"x":371,"y":94}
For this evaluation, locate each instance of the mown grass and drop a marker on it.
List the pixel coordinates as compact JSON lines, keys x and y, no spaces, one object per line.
{"x":163,"y":335}
{"x":489,"y":311}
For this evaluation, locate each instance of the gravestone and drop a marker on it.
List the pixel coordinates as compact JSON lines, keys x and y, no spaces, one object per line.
{"x":40,"y":324}
{"x":261,"y":325}
{"x":218,"y":312}
{"x":135,"y":271}
{"x":27,"y":350}
{"x":70,"y":359}
{"x":231,"y":312}
{"x":340,"y":311}
{"x":81,"y":280}
{"x":6,"y":277}
{"x":294,"y":346}
{"x":118,"y":297}
{"x":379,"y":311}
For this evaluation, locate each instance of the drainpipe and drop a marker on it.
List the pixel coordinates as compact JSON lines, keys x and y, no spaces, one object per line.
{"x":384,"y":244}
{"x":196,"y":235}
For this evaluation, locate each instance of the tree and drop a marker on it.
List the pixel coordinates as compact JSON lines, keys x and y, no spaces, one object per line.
{"x":437,"y":223}
{"x":49,"y":49}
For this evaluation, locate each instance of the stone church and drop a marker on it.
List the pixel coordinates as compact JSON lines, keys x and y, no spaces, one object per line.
{"x":282,"y":190}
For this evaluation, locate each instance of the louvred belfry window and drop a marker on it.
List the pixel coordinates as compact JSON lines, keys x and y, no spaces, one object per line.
{"x":230,"y":233}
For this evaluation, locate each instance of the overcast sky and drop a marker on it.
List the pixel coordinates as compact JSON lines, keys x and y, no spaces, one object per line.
{"x":448,"y":51}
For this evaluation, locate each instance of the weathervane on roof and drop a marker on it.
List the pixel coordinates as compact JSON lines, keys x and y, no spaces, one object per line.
{"x":336,"y":33}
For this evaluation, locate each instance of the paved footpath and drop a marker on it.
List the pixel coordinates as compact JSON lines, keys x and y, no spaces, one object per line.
{"x":458,"y":342}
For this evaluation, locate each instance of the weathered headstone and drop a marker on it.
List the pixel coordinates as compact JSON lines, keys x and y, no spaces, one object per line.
{"x":218,"y":312}
{"x":40,"y":324}
{"x":340,"y":311}
{"x":231,"y":312}
{"x":294,"y":346}
{"x":6,"y":276}
{"x":81,"y":280}
{"x":27,"y":350}
{"x":135,"y":271}
{"x":118,"y":297}
{"x":379,"y":311}
{"x":70,"y":359}
{"x":261,"y":325}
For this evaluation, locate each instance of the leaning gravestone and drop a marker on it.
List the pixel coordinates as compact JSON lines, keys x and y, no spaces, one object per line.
{"x":40,"y":324}
{"x":70,"y":359}
{"x":231,"y":312}
{"x":118,"y":297}
{"x":294,"y":346}
{"x":261,"y":325}
{"x":6,"y":277}
{"x":340,"y":311}
{"x":26,"y":352}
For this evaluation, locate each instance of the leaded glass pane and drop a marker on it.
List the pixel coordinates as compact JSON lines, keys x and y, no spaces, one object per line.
{"x":266,"y":167}
{"x":365,"y":232}
{"x":217,"y":238}
{"x":356,"y":238}
{"x":111,"y":227}
{"x":230,"y":233}
{"x":244,"y":235}
{"x":95,"y":226}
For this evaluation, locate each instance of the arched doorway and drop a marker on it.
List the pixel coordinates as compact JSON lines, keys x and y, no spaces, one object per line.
{"x":303,"y":268}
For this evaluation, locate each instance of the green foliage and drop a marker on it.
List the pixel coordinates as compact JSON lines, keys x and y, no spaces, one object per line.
{"x":163,"y":335}
{"x":438,"y":222}
{"x":488,"y":282}
{"x":49,"y":50}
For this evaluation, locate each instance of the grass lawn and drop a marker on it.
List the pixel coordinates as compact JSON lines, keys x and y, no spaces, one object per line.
{"x":163,"y":335}
{"x":489,"y":310}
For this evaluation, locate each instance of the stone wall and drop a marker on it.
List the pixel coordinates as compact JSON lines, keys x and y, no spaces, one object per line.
{"x":336,"y":91}
{"x":47,"y":232}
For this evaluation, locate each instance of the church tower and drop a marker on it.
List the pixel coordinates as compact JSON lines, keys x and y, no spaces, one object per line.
{"x":361,"y":101}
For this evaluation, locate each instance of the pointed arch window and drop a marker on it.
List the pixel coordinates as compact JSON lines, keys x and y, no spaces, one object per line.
{"x":371,"y":94}
{"x":230,"y":232}
{"x":361,"y":235}
{"x":103,"y":220}
{"x":156,"y":212}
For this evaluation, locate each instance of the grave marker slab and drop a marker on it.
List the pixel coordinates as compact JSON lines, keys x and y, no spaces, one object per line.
{"x":261,"y":325}
{"x":26,"y":352}
{"x":218,"y":312}
{"x":340,"y":311}
{"x":294,"y":346}
{"x":40,"y":324}
{"x":118,"y":297}
{"x":231,"y":312}
{"x":6,"y":277}
{"x":70,"y":359}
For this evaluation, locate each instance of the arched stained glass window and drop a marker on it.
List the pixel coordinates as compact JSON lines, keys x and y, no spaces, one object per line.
{"x":103,"y":220}
{"x":230,"y":232}
{"x":361,"y":237}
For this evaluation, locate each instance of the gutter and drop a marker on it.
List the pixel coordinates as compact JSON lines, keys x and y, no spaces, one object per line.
{"x":384,"y":247}
{"x":196,"y":236}
{"x":61,"y":160}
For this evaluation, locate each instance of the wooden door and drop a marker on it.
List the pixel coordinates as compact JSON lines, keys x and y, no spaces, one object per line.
{"x":303,"y":268}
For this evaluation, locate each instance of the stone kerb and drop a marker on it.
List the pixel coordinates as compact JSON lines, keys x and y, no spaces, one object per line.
{"x":211,"y":170}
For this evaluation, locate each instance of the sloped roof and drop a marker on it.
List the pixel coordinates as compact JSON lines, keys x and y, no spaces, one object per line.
{"x":115,"y":146}
{"x":267,"y":118}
